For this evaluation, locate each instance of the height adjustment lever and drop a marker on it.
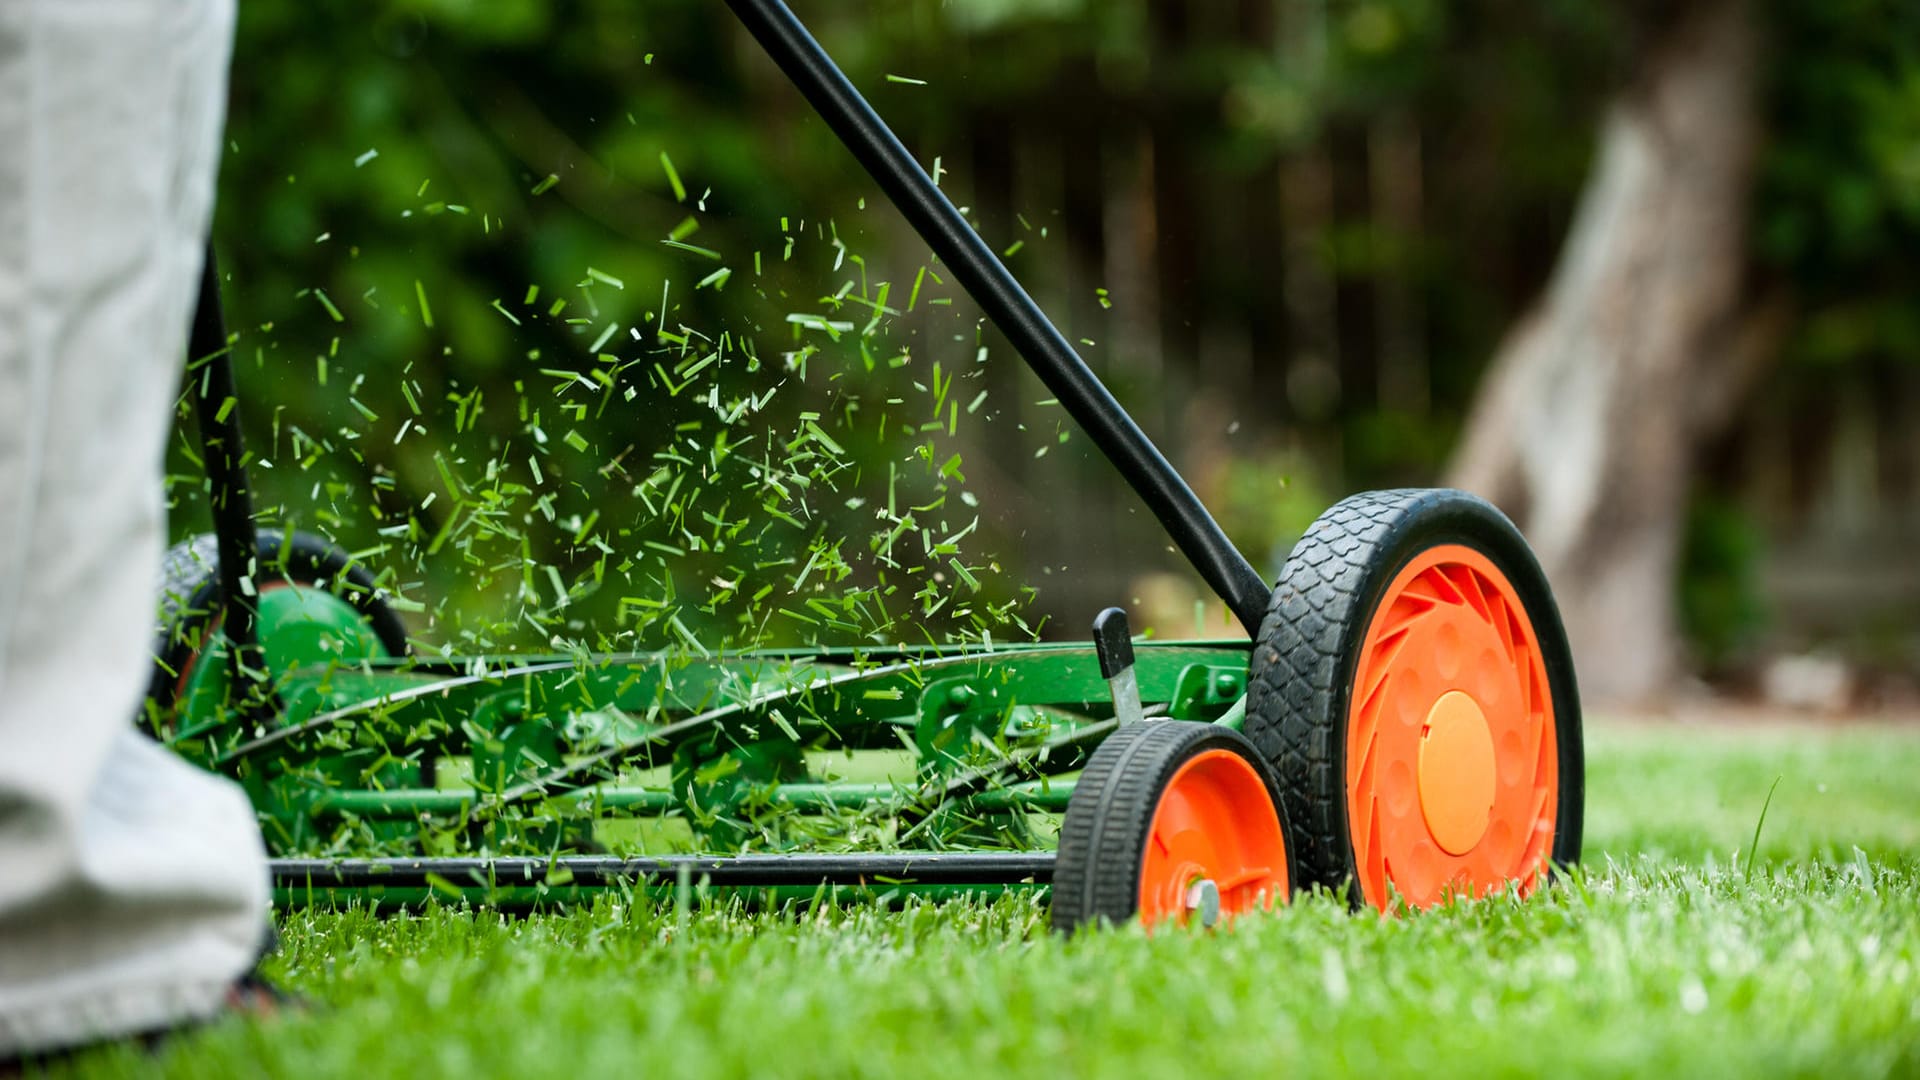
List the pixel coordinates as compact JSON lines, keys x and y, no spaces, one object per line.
{"x":1113,"y":643}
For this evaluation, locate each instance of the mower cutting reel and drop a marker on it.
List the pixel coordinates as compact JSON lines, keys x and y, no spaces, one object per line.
{"x":1412,"y":728}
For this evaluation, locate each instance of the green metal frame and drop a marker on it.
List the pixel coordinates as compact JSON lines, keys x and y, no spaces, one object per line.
{"x":530,"y":754}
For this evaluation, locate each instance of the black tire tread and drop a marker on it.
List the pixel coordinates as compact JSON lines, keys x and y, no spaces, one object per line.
{"x":190,"y":596}
{"x":1298,"y":680}
{"x":1103,"y":838}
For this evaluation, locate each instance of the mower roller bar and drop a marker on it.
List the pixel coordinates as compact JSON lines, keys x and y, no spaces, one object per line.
{"x":738,"y":871}
{"x":838,"y":795}
{"x":1000,"y":295}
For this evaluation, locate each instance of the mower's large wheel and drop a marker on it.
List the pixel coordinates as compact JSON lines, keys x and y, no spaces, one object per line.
{"x":192,"y":604}
{"x":1172,"y":821}
{"x":1412,"y":688}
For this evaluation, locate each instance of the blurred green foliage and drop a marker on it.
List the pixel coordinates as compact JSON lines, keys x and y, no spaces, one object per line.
{"x":411,"y":186}
{"x":1839,"y":207}
{"x":1721,"y":609}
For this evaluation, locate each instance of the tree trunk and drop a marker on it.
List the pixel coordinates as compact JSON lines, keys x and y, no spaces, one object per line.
{"x":1593,"y":413}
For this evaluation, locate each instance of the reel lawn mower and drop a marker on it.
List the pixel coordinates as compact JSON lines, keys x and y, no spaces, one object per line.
{"x":1404,"y":726}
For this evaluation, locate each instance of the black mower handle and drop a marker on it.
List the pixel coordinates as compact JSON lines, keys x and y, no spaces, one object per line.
{"x":999,"y":294}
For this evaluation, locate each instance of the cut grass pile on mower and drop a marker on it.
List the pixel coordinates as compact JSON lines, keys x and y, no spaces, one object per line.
{"x":1667,"y":957}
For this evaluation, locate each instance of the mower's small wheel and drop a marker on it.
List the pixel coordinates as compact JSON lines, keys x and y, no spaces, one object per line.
{"x":191,"y":602}
{"x":1172,"y":821}
{"x":1412,"y":688}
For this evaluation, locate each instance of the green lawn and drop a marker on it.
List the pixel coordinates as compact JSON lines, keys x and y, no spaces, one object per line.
{"x":1670,"y":956}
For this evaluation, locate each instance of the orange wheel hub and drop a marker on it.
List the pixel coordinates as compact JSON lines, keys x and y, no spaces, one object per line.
{"x":1452,"y":781}
{"x":1215,"y":833}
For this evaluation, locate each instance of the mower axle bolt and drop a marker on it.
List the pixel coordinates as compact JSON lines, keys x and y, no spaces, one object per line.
{"x":1203,"y":901}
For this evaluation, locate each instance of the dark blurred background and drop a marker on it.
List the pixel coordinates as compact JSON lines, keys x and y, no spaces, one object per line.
{"x":1643,"y":273}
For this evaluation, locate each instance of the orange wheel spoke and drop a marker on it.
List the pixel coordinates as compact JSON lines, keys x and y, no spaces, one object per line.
{"x":1369,"y":711}
{"x":1189,"y":845}
{"x":1407,"y":608}
{"x":1468,"y":583}
{"x":1439,"y":585}
{"x":1497,"y":618}
{"x":1247,"y":875}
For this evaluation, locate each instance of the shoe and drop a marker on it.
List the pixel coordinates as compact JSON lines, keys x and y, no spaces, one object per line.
{"x":252,"y":996}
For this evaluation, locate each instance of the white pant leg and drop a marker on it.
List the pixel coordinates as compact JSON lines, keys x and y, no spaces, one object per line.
{"x":132,"y":886}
